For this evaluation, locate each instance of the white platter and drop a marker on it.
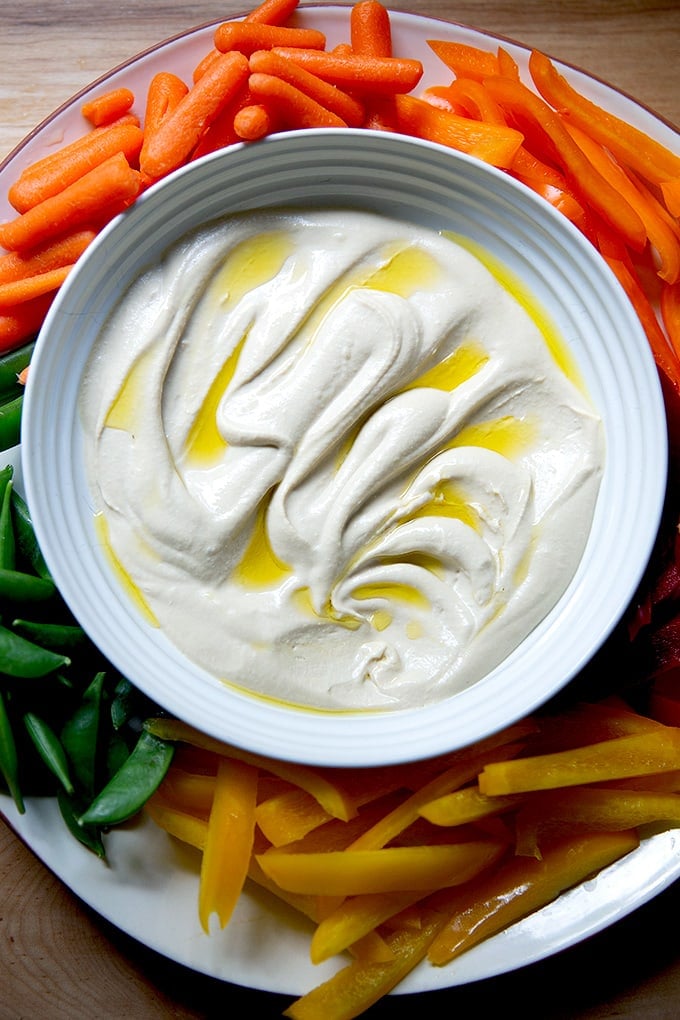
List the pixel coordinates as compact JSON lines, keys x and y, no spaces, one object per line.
{"x":149,"y":888}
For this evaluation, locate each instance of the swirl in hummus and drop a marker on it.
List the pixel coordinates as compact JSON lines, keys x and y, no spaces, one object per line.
{"x":336,"y":459}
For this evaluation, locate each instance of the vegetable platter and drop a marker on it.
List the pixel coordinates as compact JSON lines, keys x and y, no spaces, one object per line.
{"x":148,"y":888}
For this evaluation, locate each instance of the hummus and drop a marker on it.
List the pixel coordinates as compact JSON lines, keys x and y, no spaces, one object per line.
{"x":335,"y":458}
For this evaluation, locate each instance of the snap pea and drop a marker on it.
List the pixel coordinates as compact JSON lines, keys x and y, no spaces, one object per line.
{"x":9,"y":759}
{"x":132,"y":785}
{"x":7,"y":540}
{"x":11,"y":364}
{"x":22,"y":658}
{"x":49,"y":747}
{"x":18,"y":586}
{"x":89,"y":835}
{"x":80,"y":734}
{"x":59,"y":637}
{"x":10,"y":422}
{"x":26,"y":540}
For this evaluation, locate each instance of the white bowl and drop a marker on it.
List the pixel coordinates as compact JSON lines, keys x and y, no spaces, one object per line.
{"x":437,"y":188}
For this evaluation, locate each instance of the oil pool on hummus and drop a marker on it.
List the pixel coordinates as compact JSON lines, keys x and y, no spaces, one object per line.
{"x":335,"y":458}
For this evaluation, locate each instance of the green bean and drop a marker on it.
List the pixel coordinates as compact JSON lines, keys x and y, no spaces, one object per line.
{"x":60,"y":637}
{"x":132,"y":785}
{"x":25,"y":536}
{"x":80,"y":735}
{"x":10,"y":422}
{"x":11,"y":364}
{"x":22,"y":658}
{"x":49,"y":747}
{"x":18,"y":586}
{"x":9,"y":759}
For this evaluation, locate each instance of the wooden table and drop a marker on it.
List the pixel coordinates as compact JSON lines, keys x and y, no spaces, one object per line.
{"x":58,"y":959}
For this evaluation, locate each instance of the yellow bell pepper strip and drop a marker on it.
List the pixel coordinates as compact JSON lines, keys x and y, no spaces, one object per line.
{"x":586,"y":723}
{"x":464,"y":60}
{"x":392,"y":823}
{"x":357,"y":987}
{"x":518,"y":887}
{"x":629,"y":145}
{"x":356,"y":917}
{"x":467,"y":805}
{"x":660,"y":233}
{"x":189,"y":791}
{"x":289,"y":816}
{"x":187,"y":828}
{"x":395,"y":869}
{"x":229,"y":841}
{"x":547,"y":136}
{"x":561,"y":813}
{"x":636,"y":755}
{"x":328,"y":793}
{"x":493,"y":143}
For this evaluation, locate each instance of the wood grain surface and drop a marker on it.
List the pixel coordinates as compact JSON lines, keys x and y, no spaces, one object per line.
{"x":59,"y":960}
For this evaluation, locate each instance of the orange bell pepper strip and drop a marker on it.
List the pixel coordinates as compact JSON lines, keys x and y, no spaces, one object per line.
{"x":471,"y":96}
{"x":636,"y":755}
{"x":669,"y":302}
{"x":628,"y":144}
{"x":518,"y":887}
{"x":464,"y":60}
{"x":229,"y":841}
{"x":660,"y":233}
{"x":560,"y":813}
{"x":393,"y":869}
{"x":319,"y":785}
{"x":547,"y":128}
{"x":493,"y":143}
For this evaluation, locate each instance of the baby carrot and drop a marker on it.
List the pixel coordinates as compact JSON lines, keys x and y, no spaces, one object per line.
{"x":14,"y":266}
{"x":272,"y":12}
{"x":253,"y":121}
{"x":51,"y":174}
{"x":221,"y":132}
{"x":108,"y":107}
{"x":87,"y":199}
{"x":204,"y":63}
{"x":16,"y":292}
{"x":163,"y":96}
{"x":297,"y":109}
{"x":370,"y":29}
{"x":356,"y":73}
{"x":177,"y":137}
{"x":343,"y":105}
{"x":18,"y":325}
{"x":250,"y":36}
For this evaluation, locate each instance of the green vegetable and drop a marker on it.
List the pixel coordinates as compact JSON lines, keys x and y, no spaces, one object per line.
{"x":11,"y":364}
{"x":60,"y":637}
{"x":25,"y":537}
{"x":80,"y":735}
{"x":10,"y":422}
{"x":132,"y":785}
{"x":49,"y":748}
{"x":22,"y":587}
{"x":88,"y":835}
{"x":22,"y":658}
{"x":9,"y":760}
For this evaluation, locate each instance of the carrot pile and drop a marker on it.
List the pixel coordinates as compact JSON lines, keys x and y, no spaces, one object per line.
{"x":418,"y":862}
{"x":401,"y":864}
